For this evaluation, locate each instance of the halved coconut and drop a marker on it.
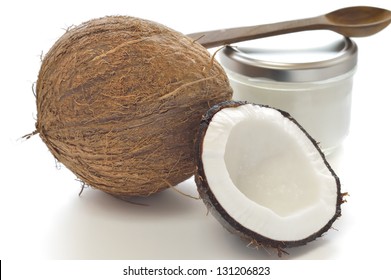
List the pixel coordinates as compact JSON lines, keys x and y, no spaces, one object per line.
{"x":264,"y":177}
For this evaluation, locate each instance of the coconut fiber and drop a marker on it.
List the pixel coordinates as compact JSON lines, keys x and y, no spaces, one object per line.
{"x":119,"y":101}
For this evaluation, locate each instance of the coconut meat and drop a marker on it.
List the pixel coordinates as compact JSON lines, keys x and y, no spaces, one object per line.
{"x":267,"y":174}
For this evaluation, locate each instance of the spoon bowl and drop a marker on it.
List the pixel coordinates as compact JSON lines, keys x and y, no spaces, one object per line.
{"x":357,"y":21}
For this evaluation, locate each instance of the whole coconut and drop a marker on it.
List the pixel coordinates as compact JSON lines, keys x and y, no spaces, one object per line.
{"x":119,"y":101}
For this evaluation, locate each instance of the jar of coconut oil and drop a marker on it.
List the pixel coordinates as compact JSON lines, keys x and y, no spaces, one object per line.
{"x":308,"y":74}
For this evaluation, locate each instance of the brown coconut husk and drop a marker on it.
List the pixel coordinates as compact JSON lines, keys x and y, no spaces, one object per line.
{"x":119,"y":101}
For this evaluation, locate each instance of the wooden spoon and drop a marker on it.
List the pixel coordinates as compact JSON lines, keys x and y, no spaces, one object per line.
{"x":359,"y":21}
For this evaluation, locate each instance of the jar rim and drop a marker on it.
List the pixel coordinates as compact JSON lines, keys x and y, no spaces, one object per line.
{"x":245,"y":60}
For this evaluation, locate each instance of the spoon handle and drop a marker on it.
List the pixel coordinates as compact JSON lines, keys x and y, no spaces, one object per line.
{"x":215,"y":38}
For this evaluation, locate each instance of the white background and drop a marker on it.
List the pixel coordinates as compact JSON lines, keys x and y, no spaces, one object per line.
{"x":42,"y":216}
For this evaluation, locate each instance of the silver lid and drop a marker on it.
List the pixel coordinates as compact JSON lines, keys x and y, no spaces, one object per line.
{"x":298,"y":57}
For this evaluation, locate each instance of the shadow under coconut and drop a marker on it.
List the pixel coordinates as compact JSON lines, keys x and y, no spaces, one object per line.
{"x":100,"y":226}
{"x":323,"y":248}
{"x":166,"y":225}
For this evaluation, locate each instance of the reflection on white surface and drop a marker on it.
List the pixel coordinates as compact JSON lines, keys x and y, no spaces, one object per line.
{"x":98,"y":226}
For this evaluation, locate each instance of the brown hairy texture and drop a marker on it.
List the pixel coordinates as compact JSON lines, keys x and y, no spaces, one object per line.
{"x":119,"y":101}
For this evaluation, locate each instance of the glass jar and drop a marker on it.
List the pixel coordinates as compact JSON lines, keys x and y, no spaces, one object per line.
{"x":307,"y":74}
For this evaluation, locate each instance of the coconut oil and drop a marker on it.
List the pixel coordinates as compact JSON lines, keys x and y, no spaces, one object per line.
{"x":308,"y":74}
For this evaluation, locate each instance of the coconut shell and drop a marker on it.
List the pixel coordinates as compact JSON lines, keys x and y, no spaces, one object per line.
{"x":119,"y":100}
{"x":233,"y":226}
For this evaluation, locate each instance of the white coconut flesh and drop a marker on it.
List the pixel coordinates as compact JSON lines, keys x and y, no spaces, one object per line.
{"x":267,"y":174}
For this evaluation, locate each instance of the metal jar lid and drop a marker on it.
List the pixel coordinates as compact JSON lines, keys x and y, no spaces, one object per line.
{"x":298,"y":57}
